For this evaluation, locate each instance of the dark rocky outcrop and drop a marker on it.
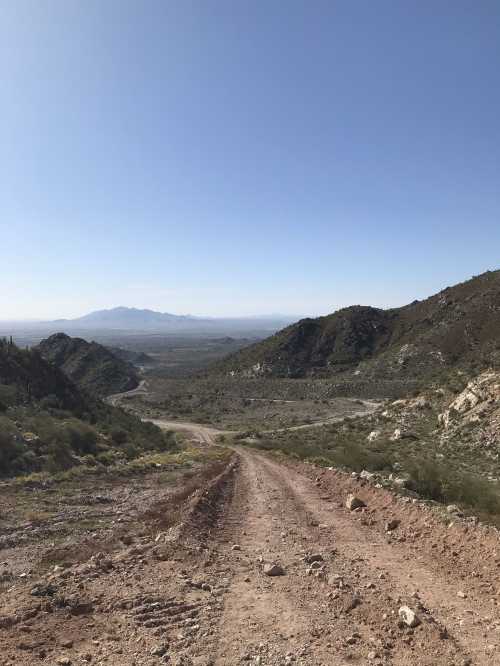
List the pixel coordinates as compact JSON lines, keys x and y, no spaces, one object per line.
{"x":93,"y":367}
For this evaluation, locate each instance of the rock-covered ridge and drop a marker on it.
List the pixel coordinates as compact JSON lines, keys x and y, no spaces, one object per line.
{"x":458,"y":327}
{"x":476,"y":411}
{"x":90,"y":365}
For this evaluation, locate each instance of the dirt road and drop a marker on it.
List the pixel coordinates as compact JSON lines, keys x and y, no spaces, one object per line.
{"x":204,"y":434}
{"x":138,"y":390}
{"x":203,"y":598}
{"x":345,"y":610}
{"x":201,"y":434}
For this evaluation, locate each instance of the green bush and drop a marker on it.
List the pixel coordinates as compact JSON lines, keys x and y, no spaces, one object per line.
{"x":444,"y":484}
{"x":12,"y":454}
{"x":106,"y":458}
{"x":81,"y":437}
{"x":59,"y":455}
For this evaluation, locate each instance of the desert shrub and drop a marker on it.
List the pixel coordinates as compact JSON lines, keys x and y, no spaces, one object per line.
{"x":12,"y":454}
{"x":81,"y":437}
{"x":131,"y":450}
{"x":106,"y":458}
{"x":169,"y":442}
{"x":7,"y":396}
{"x":119,"y":436}
{"x":59,"y":456}
{"x":444,"y":484}
{"x":12,"y":450}
{"x":426,"y":479}
{"x":357,"y":457}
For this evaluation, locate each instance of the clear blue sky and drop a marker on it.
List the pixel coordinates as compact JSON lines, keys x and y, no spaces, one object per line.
{"x":241,"y":157}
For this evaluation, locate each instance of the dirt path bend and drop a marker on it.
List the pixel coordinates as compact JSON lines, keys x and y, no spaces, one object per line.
{"x":202,"y":434}
{"x":206,"y":434}
{"x":138,"y":390}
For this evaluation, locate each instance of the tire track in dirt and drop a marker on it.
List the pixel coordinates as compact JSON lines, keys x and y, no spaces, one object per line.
{"x":349,"y":610}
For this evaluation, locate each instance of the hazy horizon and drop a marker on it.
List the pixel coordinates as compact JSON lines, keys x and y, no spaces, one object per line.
{"x":256,"y":315}
{"x":237,"y":159}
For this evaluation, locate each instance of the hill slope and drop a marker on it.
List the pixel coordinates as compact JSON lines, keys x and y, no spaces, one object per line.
{"x":26,"y":376}
{"x":91,"y":366}
{"x":458,"y":327}
{"x":47,"y":424}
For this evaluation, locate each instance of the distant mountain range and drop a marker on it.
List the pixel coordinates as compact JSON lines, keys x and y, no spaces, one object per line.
{"x":127,"y":319}
{"x":456,"y":328}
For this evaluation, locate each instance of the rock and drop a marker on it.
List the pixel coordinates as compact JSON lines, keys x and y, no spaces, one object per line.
{"x":273,"y":569}
{"x":41,"y":590}
{"x":316,"y":565}
{"x":63,"y":661}
{"x":453,"y":508}
{"x":236,"y":546}
{"x":67,"y":643}
{"x":316,"y":557}
{"x":159,"y":651}
{"x":396,"y":435}
{"x":461,"y":594}
{"x":375,"y":434}
{"x":392,"y":525}
{"x":409,"y":617}
{"x":420,"y":403}
{"x":352,"y":502}
{"x":366,"y":475}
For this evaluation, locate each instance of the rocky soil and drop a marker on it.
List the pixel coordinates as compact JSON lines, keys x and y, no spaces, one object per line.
{"x":265,"y":565}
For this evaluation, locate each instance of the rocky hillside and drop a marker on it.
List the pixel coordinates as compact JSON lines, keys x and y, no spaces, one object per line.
{"x":26,"y":376}
{"x":91,"y":366}
{"x":48,"y":424}
{"x":458,"y":327}
{"x":473,"y":417}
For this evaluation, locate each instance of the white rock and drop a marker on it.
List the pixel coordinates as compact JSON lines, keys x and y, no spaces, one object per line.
{"x":365,"y":474}
{"x":409,"y":617}
{"x":396,"y":435}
